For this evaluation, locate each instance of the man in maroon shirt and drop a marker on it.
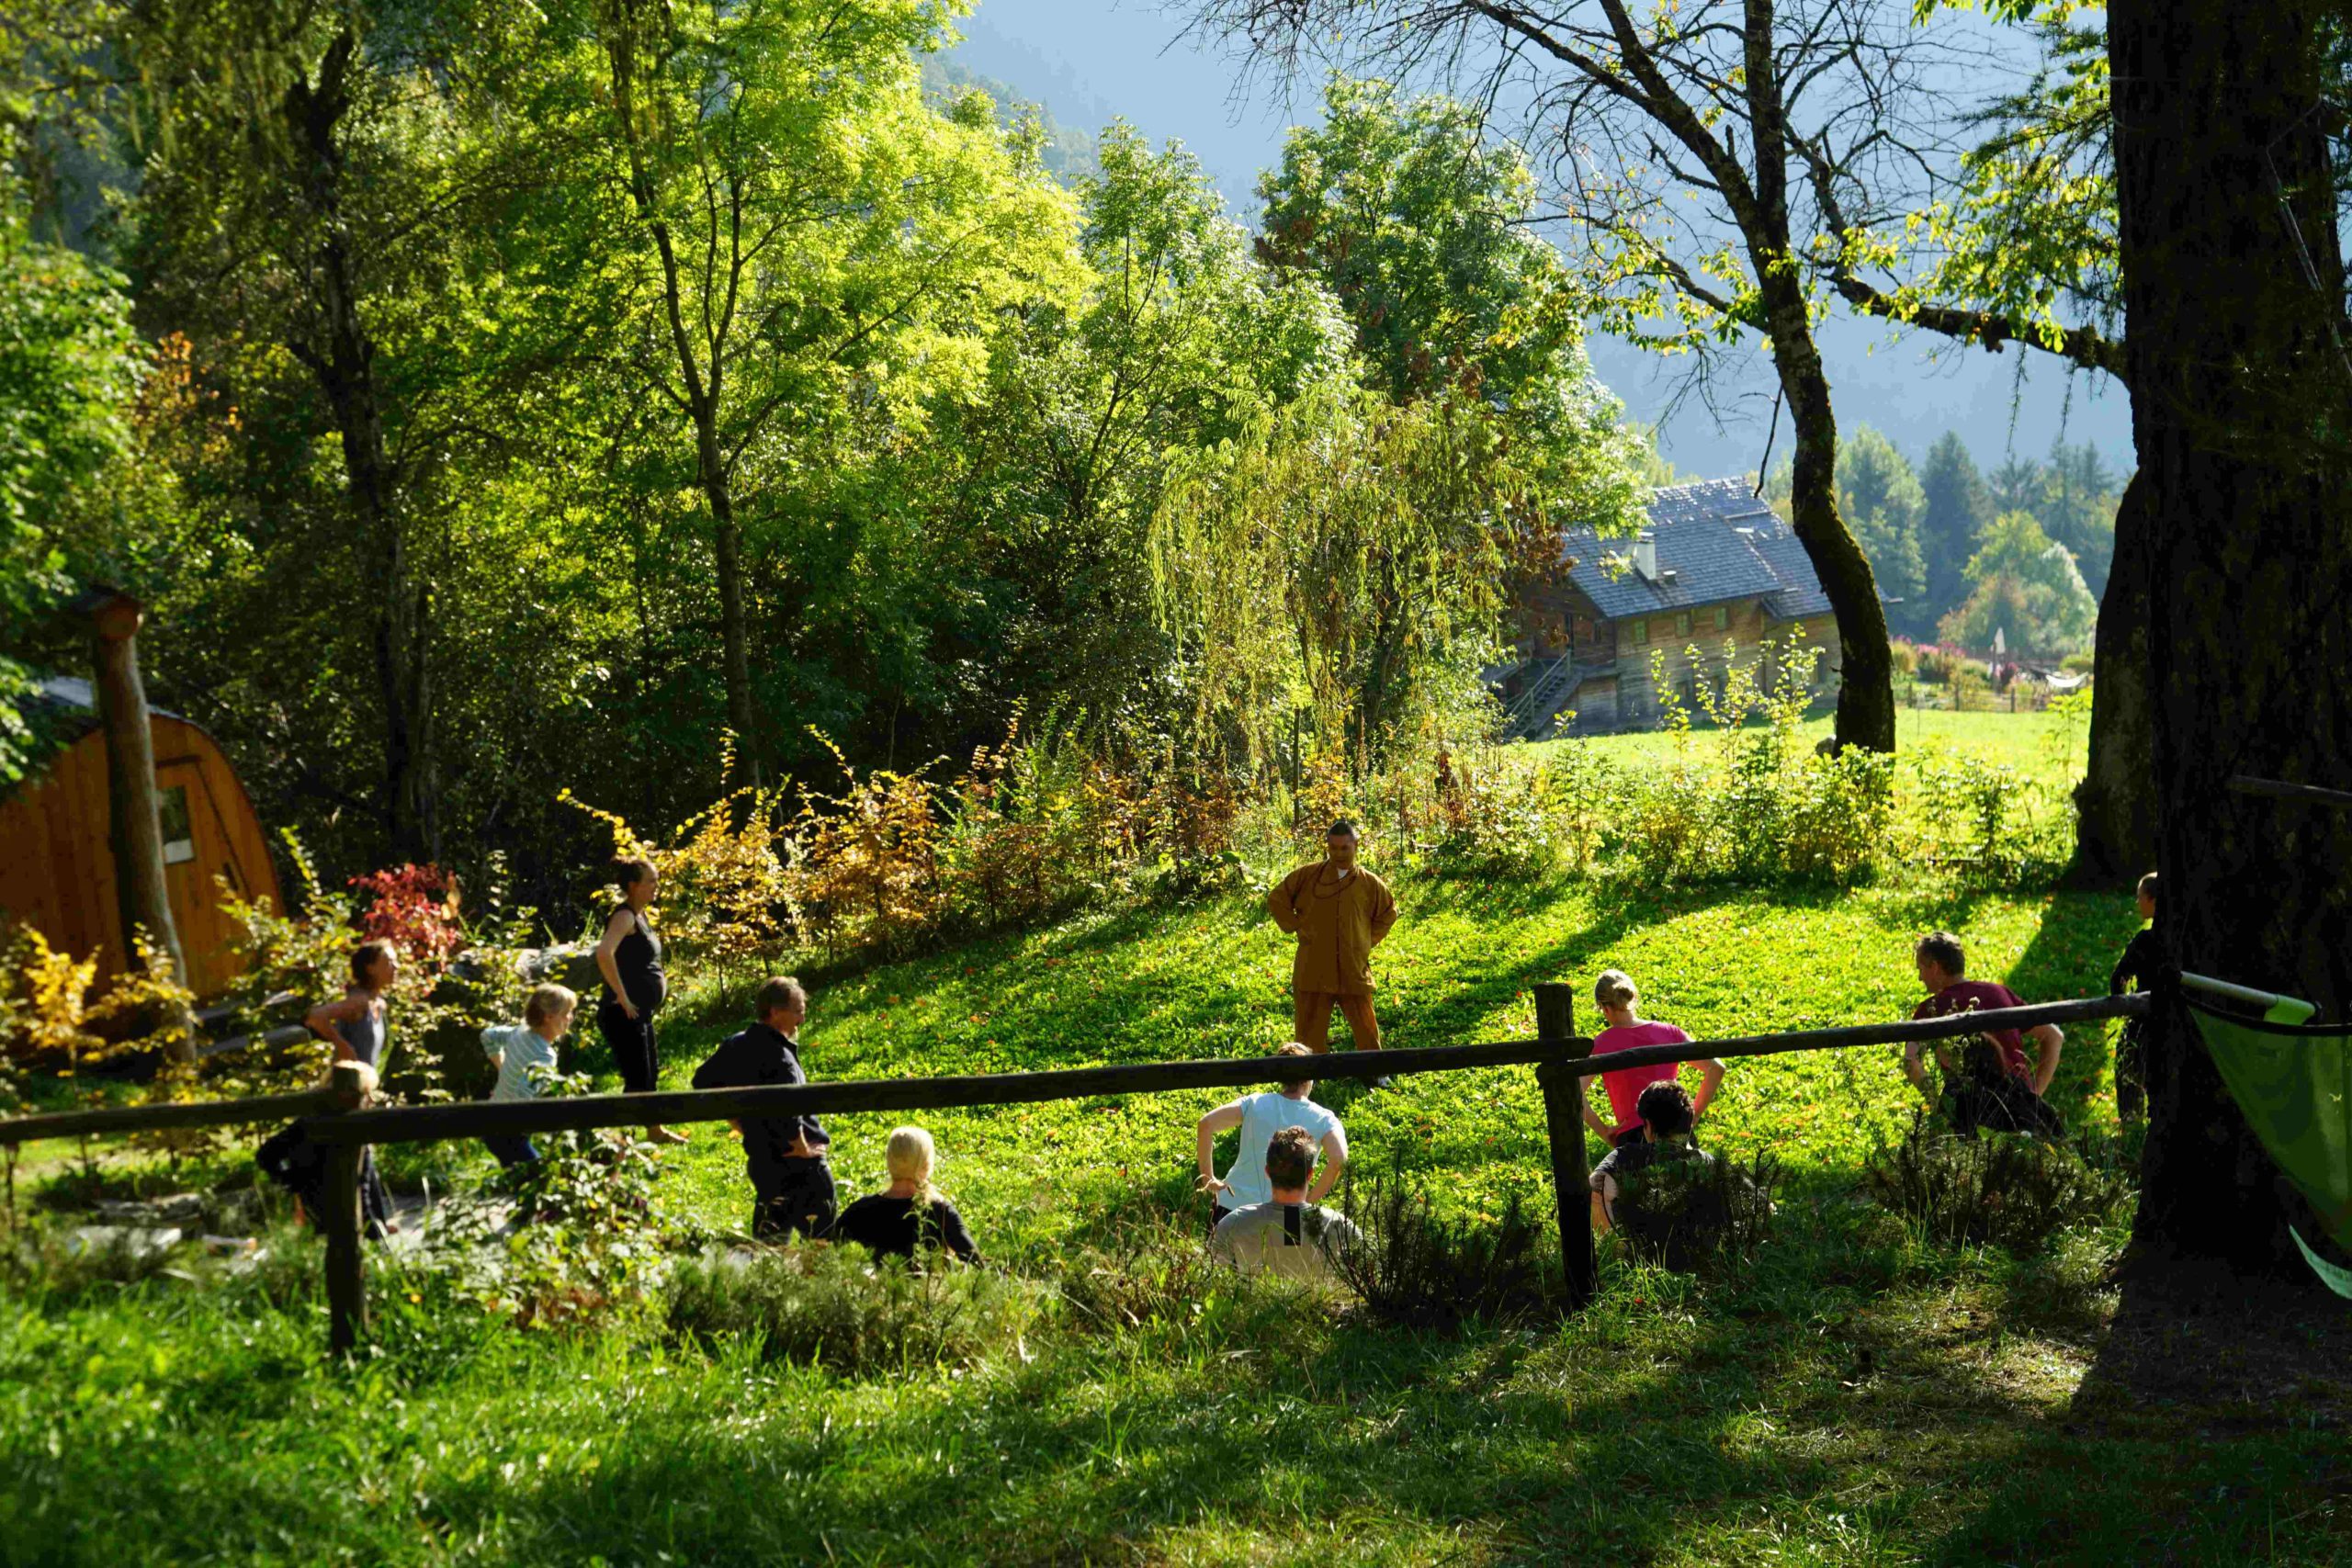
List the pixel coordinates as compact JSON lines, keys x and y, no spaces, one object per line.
{"x":1943,"y":970}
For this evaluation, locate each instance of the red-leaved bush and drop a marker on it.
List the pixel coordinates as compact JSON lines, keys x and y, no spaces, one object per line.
{"x":415,"y":907}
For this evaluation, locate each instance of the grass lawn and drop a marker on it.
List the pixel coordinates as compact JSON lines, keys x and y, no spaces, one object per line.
{"x":1856,"y":1395}
{"x":2049,"y":746}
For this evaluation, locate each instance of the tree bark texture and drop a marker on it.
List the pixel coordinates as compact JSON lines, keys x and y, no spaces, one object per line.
{"x":135,"y":833}
{"x":2232,"y":296}
{"x":1866,"y":665}
{"x":2115,"y":831}
{"x":341,"y":356}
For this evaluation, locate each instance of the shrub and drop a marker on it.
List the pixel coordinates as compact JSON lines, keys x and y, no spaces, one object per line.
{"x":725,"y":891}
{"x":415,"y":907}
{"x":1695,"y":1214}
{"x":836,"y":1306}
{"x":1159,"y":1274}
{"x":1419,"y":1270}
{"x":1987,"y":817}
{"x":1905,"y":657}
{"x":1999,"y":1188}
{"x":589,"y":1237}
{"x":1498,"y":822}
{"x":1752,"y":801}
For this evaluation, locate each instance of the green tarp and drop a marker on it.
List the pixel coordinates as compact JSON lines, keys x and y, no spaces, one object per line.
{"x":2294,"y":1086}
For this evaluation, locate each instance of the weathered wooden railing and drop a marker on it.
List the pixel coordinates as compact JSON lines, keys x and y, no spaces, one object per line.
{"x":335,"y":1116}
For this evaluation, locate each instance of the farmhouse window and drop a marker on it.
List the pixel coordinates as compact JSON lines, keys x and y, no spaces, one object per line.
{"x":1722,"y":618}
{"x":1642,"y":630}
{"x":1682,"y":624}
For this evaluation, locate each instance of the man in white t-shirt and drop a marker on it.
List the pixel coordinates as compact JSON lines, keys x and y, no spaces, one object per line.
{"x":1260,"y":1117}
{"x":1287,"y":1235}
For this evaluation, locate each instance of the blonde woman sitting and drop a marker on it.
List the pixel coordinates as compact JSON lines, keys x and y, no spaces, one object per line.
{"x":891,"y":1222}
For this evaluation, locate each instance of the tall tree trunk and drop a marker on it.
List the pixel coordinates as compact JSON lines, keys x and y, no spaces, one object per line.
{"x":134,"y":830}
{"x":2232,"y":284}
{"x":2115,"y":831}
{"x":341,"y":357}
{"x":1866,"y":664}
{"x":734,"y":635}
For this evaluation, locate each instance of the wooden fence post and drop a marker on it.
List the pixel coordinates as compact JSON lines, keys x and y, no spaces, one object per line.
{"x":346,"y":1265}
{"x":1555,"y":1020}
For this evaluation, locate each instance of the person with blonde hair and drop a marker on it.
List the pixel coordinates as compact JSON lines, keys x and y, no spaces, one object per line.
{"x":1260,"y":1117}
{"x":1620,"y":1003}
{"x":524,"y":1054}
{"x":909,"y":1212}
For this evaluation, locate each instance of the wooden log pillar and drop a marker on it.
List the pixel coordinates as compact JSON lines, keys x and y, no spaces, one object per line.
{"x":346,"y":1264}
{"x":1555,"y":1020}
{"x":134,"y":829}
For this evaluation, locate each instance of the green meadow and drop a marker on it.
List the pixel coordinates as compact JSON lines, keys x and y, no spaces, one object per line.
{"x":1854,"y":1393}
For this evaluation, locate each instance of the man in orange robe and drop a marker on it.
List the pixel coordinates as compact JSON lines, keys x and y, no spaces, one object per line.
{"x":1338,"y":911}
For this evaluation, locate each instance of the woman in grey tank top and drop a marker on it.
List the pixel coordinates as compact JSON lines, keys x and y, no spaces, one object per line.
{"x":355,"y":1027}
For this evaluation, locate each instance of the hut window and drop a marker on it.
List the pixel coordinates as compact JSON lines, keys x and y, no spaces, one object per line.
{"x":1722,"y":618}
{"x":1682,"y":624}
{"x":1642,"y":630}
{"x":179,"y":837}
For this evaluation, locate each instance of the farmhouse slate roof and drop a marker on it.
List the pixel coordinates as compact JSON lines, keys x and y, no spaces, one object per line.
{"x":1717,"y":543}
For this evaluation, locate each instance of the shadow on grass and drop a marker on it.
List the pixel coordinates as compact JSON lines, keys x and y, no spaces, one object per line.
{"x":2210,"y":1427}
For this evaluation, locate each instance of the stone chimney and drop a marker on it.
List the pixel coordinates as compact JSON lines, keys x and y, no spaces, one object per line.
{"x":1645,"y":555}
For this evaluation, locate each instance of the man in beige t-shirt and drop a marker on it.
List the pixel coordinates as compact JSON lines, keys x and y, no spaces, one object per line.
{"x":1339,"y":912}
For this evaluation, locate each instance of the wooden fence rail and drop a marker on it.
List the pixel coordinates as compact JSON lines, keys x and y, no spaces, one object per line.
{"x":1563,"y":1060}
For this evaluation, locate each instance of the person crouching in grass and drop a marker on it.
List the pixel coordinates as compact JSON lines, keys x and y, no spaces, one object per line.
{"x":1988,"y":1080}
{"x":1671,"y":1201}
{"x":1286,"y":1235}
{"x":524,"y":1054}
{"x":909,"y":1212}
{"x":792,"y":1187}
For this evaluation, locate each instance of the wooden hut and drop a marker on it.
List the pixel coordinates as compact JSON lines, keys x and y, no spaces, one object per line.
{"x":57,"y":869}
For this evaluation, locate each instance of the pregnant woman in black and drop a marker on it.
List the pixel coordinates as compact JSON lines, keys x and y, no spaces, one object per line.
{"x":629,"y":958}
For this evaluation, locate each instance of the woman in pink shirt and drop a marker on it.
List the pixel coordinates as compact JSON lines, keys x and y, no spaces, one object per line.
{"x":1619,"y":1001}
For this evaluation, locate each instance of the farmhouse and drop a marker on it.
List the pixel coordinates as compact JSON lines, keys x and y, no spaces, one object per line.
{"x":1715,"y":566}
{"x":58,"y":875}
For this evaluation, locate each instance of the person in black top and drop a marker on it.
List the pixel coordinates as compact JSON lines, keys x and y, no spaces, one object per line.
{"x":906,"y":1212}
{"x":629,"y":958}
{"x":792,"y":1187}
{"x":2138,"y":965}
{"x":1671,"y":1201}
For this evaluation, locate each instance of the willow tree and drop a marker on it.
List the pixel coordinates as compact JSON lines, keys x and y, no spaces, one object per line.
{"x":1342,"y":567}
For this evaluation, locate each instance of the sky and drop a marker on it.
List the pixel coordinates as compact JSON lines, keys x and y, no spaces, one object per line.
{"x":1089,"y":61}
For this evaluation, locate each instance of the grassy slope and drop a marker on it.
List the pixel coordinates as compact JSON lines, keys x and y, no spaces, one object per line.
{"x":1856,"y":1398}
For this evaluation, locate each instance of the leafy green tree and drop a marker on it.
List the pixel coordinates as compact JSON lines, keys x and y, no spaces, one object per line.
{"x":307,"y":205}
{"x":70,"y":368}
{"x":804,"y":241}
{"x":2079,"y":496}
{"x":1180,"y":338}
{"x":2026,"y":586}
{"x":1880,"y":497}
{"x":1955,"y":507}
{"x":1419,"y":226}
